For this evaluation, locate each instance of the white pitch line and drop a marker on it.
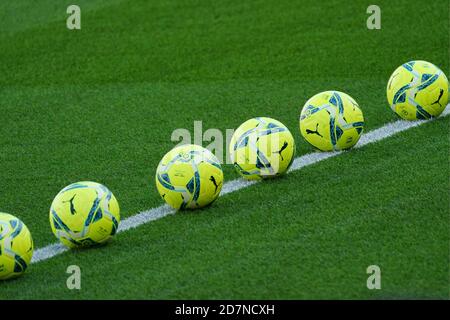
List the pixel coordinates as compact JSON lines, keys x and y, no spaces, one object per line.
{"x":160,"y":212}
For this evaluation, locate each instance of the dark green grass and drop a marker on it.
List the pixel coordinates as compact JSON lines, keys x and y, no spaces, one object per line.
{"x":101,"y":103}
{"x":331,"y":220}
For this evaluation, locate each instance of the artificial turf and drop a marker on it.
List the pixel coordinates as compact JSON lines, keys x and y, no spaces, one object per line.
{"x":101,"y":103}
{"x":316,"y":242}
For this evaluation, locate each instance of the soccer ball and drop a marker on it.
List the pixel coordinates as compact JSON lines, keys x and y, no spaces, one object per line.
{"x":331,"y":120}
{"x":16,"y":247}
{"x":417,"y":90}
{"x":84,"y":214}
{"x":262,"y":148}
{"x":189,"y":177}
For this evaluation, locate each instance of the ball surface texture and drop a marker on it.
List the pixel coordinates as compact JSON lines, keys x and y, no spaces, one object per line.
{"x":16,"y":247}
{"x":331,"y":120}
{"x":262,"y":148}
{"x":417,"y":90}
{"x":189,"y":177}
{"x":84,"y":214}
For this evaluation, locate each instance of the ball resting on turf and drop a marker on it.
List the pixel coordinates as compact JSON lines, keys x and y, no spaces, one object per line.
{"x":331,"y":120}
{"x":262,"y":148}
{"x":16,"y":247}
{"x":189,"y":177}
{"x":84,"y":214}
{"x":417,"y":90}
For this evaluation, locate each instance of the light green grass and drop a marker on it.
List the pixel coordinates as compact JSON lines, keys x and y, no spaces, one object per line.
{"x":100,"y":104}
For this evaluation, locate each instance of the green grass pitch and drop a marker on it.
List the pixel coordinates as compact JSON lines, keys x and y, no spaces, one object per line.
{"x":100,"y":104}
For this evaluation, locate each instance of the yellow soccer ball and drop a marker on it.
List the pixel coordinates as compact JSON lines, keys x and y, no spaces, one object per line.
{"x":331,"y":120}
{"x":189,"y":177}
{"x":262,"y":148}
{"x":418,"y":90}
{"x":16,"y":247}
{"x":84,"y":214}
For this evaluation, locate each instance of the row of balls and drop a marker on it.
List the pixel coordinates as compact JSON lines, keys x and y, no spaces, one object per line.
{"x":190,"y":176}
{"x":86,"y":214}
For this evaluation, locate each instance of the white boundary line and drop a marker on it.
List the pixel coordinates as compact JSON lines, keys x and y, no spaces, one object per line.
{"x":141,"y":218}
